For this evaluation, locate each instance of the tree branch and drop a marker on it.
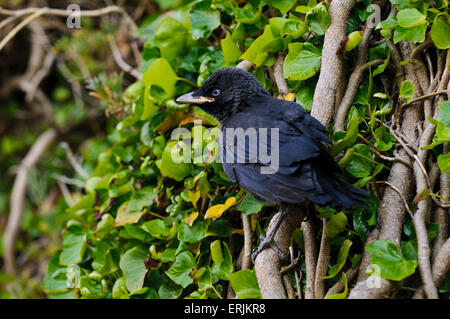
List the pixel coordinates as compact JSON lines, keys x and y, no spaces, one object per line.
{"x":332,"y":65}
{"x":18,"y":196}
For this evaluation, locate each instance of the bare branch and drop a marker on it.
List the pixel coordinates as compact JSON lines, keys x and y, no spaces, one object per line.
{"x":332,"y":65}
{"x":322,"y":263}
{"x":310,"y":257}
{"x":283,"y":89}
{"x":119,"y":60}
{"x":34,"y":13}
{"x":18,"y":195}
{"x":267,"y":263}
{"x":73,"y":161}
{"x":247,"y":257}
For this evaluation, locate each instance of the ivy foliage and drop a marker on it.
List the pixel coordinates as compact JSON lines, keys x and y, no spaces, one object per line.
{"x":160,"y":219}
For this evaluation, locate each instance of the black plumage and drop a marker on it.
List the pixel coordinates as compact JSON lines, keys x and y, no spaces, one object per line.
{"x":306,"y":170}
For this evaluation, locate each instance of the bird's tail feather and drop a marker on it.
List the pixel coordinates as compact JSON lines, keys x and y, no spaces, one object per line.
{"x":342,"y":194}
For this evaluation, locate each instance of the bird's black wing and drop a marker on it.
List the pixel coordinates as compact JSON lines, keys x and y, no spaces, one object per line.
{"x":306,"y":169}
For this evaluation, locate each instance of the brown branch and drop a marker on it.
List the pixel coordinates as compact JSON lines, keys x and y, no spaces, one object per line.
{"x":267,"y":263}
{"x":310,"y":257}
{"x":441,"y":266}
{"x":332,"y":64}
{"x":424,"y":97}
{"x":350,"y":93}
{"x":34,"y":13}
{"x":355,"y":79}
{"x":18,"y":196}
{"x":441,"y":215}
{"x":294,"y":264}
{"x":245,"y":65}
{"x":288,"y":287}
{"x":322,"y":263}
{"x":283,"y":88}
{"x":365,"y":259}
{"x":73,"y":161}
{"x":120,"y":61}
{"x":247,"y":257}
{"x":391,"y":211}
{"x":405,"y":202}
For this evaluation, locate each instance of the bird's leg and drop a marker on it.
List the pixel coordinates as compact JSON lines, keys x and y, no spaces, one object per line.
{"x":269,"y":242}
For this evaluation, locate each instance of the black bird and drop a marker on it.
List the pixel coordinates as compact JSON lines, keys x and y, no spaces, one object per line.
{"x":305,"y":169}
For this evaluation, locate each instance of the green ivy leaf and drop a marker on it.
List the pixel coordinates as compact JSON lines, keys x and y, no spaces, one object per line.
{"x":409,"y":249}
{"x":245,"y":284}
{"x":132,"y":264}
{"x":408,"y":18}
{"x":384,"y":140}
{"x":74,"y":245}
{"x":204,"y":19}
{"x":360,"y":164}
{"x":231,"y":52}
{"x":104,"y":226}
{"x":350,"y":136}
{"x":414,"y":34}
{"x":319,"y":19}
{"x":392,"y":265}
{"x":104,"y":259}
{"x":336,"y":224}
{"x":193,"y":234}
{"x":444,"y":113}
{"x":282,"y":5}
{"x":342,"y":257}
{"x":170,"y":37}
{"x":407,"y":90}
{"x":55,"y":280}
{"x":181,"y":268}
{"x":389,"y":23}
{"x":159,"y":73}
{"x":157,"y":228}
{"x":131,"y":212}
{"x":250,"y":205}
{"x":302,"y":61}
{"x":400,"y":4}
{"x":440,"y":32}
{"x":224,"y":265}
{"x":255,"y":53}
{"x":444,"y":162}
{"x":119,"y":290}
{"x":342,"y":295}
{"x":170,"y":290}
{"x":175,"y":161}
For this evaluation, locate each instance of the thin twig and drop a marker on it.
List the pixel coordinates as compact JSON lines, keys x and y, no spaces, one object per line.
{"x":19,"y":27}
{"x":17,"y":200}
{"x":283,"y":88}
{"x":310,"y":257}
{"x":405,"y":202}
{"x":426,"y":96}
{"x":120,"y":61}
{"x":287,"y":269}
{"x":322,"y":262}
{"x":73,"y":161}
{"x":247,"y":258}
{"x":34,"y":13}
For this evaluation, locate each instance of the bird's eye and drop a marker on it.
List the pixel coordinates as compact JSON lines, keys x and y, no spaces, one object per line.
{"x":216,"y":92}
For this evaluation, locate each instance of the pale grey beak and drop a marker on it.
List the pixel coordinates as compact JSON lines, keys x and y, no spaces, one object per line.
{"x":189,"y":98}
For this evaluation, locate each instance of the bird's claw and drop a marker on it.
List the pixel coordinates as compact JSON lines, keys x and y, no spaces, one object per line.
{"x":269,"y":242}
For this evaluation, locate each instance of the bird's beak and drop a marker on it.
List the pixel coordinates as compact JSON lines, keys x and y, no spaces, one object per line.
{"x":190,"y":98}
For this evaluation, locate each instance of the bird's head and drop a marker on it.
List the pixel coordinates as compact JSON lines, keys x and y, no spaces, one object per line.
{"x":223,"y":93}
